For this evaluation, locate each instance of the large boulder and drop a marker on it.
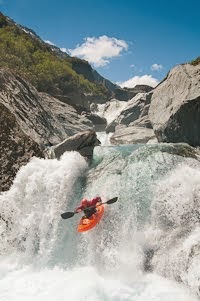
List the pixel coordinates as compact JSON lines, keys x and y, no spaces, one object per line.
{"x":142,"y":121}
{"x":132,"y":125}
{"x":136,"y":108}
{"x":83,"y":143}
{"x":134,"y":112}
{"x":98,"y":122}
{"x":175,"y":106}
{"x":132,"y":135}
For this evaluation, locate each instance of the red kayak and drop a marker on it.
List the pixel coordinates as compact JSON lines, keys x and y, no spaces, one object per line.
{"x":89,"y":223}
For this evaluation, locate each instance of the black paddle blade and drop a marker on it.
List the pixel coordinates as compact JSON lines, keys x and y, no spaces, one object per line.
{"x":111,"y":201}
{"x":67,"y":215}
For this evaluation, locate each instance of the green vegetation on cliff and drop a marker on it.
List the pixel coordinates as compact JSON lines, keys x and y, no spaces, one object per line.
{"x":196,"y":62}
{"x":35,"y":60}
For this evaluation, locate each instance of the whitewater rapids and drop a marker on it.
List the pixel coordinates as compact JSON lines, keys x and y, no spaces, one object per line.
{"x":43,"y":257}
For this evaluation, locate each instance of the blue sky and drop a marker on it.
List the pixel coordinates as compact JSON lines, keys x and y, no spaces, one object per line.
{"x":126,"y":41}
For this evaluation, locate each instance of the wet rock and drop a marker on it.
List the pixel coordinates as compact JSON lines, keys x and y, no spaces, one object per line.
{"x":83,"y":143}
{"x":131,"y":135}
{"x":175,"y":107}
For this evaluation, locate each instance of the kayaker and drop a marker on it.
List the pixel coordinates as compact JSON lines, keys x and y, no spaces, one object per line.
{"x":85,"y":206}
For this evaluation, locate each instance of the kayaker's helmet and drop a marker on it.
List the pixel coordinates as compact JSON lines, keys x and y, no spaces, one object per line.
{"x":84,"y":202}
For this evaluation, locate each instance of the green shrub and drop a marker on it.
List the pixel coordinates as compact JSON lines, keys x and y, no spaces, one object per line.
{"x":196,"y":61}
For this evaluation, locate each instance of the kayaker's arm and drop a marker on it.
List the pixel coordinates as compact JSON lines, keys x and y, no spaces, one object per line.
{"x":66,"y":215}
{"x":79,"y":209}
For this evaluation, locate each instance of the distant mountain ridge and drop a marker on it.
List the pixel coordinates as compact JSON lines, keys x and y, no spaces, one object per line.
{"x":46,"y":66}
{"x":78,"y":65}
{"x":84,"y":68}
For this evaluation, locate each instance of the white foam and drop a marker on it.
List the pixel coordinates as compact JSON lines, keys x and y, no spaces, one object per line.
{"x":44,"y":258}
{"x":85,"y":283}
{"x":41,"y":191}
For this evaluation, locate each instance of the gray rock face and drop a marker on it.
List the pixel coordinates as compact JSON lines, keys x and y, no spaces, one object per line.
{"x":81,"y":101}
{"x":131,"y":135}
{"x":83,"y":143}
{"x":135,"y":112}
{"x":132,"y":125}
{"x":111,"y":127}
{"x":45,"y":119}
{"x":16,"y":148}
{"x":66,"y":115}
{"x":125,"y":94}
{"x":29,"y":122}
{"x":142,"y":122}
{"x":175,"y":107}
{"x":98,"y":122}
{"x":136,"y":108}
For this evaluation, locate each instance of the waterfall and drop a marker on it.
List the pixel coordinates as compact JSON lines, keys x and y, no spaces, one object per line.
{"x":145,"y":246}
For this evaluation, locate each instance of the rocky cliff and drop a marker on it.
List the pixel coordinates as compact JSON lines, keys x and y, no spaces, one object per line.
{"x":170,"y":112}
{"x":31,"y":121}
{"x":175,"y":106}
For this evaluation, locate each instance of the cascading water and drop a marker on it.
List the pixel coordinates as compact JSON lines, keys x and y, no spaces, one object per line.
{"x":152,"y":231}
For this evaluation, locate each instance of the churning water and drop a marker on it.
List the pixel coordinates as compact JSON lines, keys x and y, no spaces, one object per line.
{"x":144,"y":248}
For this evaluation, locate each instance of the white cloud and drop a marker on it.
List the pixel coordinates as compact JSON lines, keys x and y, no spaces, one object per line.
{"x":139,"y":80}
{"x":99,"y":51}
{"x":132,"y":66}
{"x":156,"y":67}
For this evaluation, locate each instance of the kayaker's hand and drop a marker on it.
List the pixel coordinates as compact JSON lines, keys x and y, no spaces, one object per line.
{"x":78,"y":210}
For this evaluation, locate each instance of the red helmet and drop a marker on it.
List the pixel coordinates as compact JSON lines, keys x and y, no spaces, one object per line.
{"x":84,"y":202}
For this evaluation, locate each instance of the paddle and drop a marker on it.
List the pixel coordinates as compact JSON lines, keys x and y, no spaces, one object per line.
{"x":70,"y":214}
